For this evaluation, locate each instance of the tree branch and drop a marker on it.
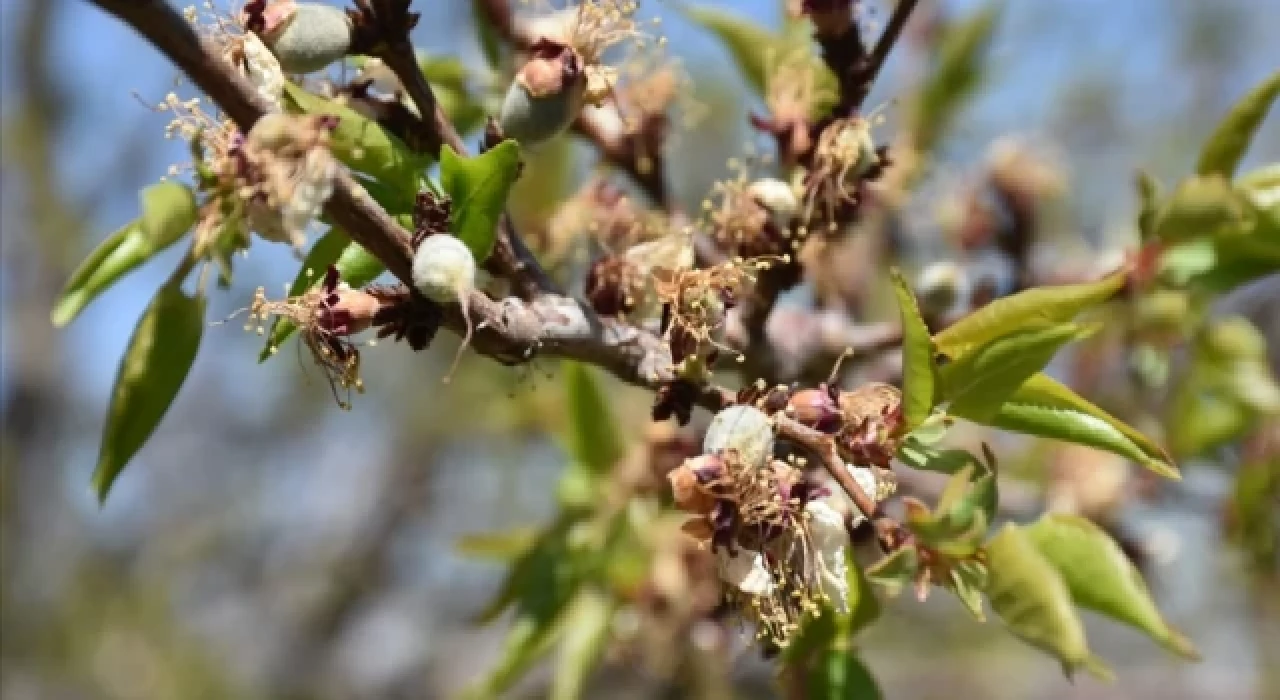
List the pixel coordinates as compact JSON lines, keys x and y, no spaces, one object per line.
{"x":889,"y":531}
{"x":511,"y":331}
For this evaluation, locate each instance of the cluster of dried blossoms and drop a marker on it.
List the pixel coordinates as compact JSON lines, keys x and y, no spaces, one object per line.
{"x":273,"y":181}
{"x":779,"y":533}
{"x":326,"y":316}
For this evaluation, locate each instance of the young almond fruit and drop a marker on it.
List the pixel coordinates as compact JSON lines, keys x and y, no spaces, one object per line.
{"x":546,"y":95}
{"x":306,"y":36}
{"x":444,"y":271}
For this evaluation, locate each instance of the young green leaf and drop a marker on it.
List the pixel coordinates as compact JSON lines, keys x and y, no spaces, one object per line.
{"x":895,"y":571}
{"x":361,"y":143}
{"x":968,"y":581}
{"x":594,"y":440}
{"x":478,"y":188}
{"x":1034,"y":602}
{"x":1149,"y":203}
{"x":1032,"y":308}
{"x":919,"y":456}
{"x":153,"y":369}
{"x":979,"y":383}
{"x":918,"y":374}
{"x":1101,"y":578}
{"x":748,"y":42}
{"x":123,"y":251}
{"x":1262,"y":187}
{"x":168,"y":211}
{"x":1231,"y":138}
{"x":959,"y":73}
{"x":585,"y":636}
{"x":497,"y":546}
{"x":1043,"y":407}
{"x":1204,"y":207}
{"x":838,"y":674}
{"x":543,"y":584}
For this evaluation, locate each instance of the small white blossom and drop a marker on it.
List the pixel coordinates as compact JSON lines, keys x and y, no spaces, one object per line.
{"x":830,"y":543}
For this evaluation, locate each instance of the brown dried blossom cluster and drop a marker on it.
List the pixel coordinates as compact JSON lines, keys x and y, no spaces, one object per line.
{"x":326,"y":316}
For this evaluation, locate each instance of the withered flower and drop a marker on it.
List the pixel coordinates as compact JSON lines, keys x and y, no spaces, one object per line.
{"x":326,"y":316}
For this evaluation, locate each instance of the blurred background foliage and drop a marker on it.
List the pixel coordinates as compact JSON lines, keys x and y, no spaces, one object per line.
{"x":266,"y":545}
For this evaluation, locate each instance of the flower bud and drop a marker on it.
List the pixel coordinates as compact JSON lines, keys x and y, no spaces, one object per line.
{"x":347,"y":311}
{"x":309,"y":38}
{"x":443,"y":268}
{"x":545,"y":97}
{"x":816,"y":409}
{"x":745,"y":429}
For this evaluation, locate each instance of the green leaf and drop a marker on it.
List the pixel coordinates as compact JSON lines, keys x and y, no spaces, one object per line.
{"x":919,"y":379}
{"x":497,"y":546}
{"x":1032,"y":308}
{"x":1231,"y":138}
{"x":959,"y":72}
{"x":1206,"y":206}
{"x":478,"y":188}
{"x":585,"y":637}
{"x":919,"y":456}
{"x":594,"y":440}
{"x":757,"y":50}
{"x":957,"y":526}
{"x":1262,"y":186}
{"x":543,"y":584}
{"x":168,"y":211}
{"x":895,"y":571}
{"x":361,"y":143}
{"x":978,"y":384}
{"x":1028,"y":594}
{"x":153,"y":369}
{"x":1101,"y":578}
{"x":968,"y":581}
{"x":449,"y":80}
{"x":123,"y":251}
{"x":747,"y":41}
{"x":1043,"y":407}
{"x":324,"y":252}
{"x":839,"y":674}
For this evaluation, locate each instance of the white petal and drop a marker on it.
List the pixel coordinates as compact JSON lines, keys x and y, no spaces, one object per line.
{"x":743,"y":428}
{"x":746,"y":571}
{"x":830,"y":542}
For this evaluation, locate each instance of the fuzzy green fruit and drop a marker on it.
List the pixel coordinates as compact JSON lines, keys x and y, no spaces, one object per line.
{"x":310,"y":39}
